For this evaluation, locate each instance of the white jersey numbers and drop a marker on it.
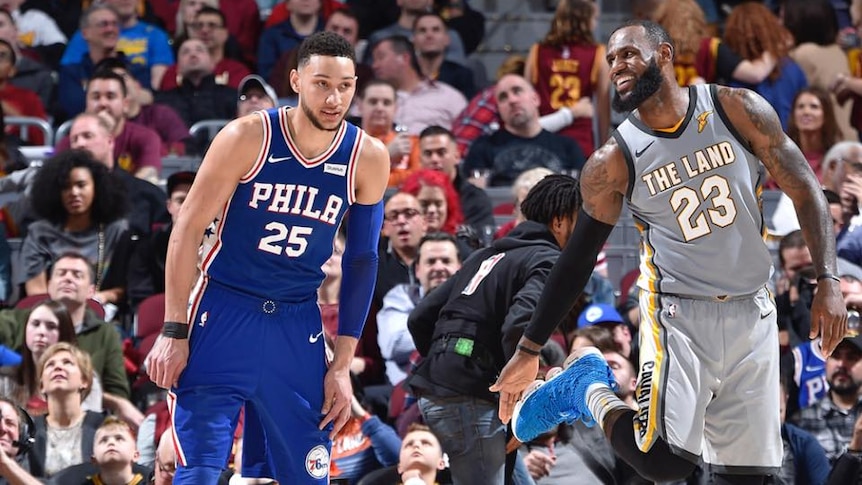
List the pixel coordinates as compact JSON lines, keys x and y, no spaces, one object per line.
{"x":695,"y":211}
{"x":296,"y":237}
{"x":483,"y":271}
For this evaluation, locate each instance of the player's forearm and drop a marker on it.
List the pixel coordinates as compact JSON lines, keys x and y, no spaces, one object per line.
{"x":359,"y":267}
{"x":568,"y":278}
{"x":815,"y":221}
{"x":180,"y":271}
{"x":345,"y":349}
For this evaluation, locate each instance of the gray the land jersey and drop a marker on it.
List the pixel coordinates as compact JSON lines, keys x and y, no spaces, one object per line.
{"x":695,"y":197}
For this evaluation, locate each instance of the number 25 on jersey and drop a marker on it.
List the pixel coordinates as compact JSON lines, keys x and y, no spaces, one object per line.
{"x":292,"y":241}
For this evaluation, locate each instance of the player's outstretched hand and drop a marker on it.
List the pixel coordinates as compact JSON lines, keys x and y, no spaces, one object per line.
{"x":167,"y":360}
{"x":828,"y":315}
{"x":520,"y":372}
{"x":337,"y":393}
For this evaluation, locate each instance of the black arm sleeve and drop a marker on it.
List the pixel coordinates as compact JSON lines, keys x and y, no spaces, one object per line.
{"x":568,"y":277}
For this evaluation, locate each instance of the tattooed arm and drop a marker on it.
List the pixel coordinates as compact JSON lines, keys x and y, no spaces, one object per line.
{"x":756,"y":121}
{"x":604,"y":181}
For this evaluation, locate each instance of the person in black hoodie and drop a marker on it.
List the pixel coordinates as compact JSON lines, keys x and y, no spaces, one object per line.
{"x":468,"y":328}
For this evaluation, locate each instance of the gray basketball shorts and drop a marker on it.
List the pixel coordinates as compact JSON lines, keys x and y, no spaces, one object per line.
{"x":708,"y":380}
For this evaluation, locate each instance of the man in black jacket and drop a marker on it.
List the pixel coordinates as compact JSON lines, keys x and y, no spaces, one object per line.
{"x":469,"y":327}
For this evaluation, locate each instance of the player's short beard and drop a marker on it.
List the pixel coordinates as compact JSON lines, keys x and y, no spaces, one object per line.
{"x":647,"y":85}
{"x":316,"y":122}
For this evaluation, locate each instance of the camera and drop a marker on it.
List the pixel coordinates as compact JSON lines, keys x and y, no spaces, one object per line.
{"x":806,"y":283}
{"x":852,"y":322}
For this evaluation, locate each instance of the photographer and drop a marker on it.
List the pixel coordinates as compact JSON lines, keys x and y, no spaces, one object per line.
{"x":794,"y":291}
{"x":15,"y":442}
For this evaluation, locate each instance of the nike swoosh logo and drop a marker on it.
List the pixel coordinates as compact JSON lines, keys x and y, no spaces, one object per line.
{"x":764,"y":315}
{"x":813,"y":368}
{"x":640,"y":152}
{"x":276,"y":160}
{"x":312,"y":339}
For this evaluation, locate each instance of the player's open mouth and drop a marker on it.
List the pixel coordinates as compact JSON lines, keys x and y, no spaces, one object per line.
{"x":624,"y":84}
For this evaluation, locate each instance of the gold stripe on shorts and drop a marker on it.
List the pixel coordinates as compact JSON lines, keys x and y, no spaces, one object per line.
{"x":648,"y":391}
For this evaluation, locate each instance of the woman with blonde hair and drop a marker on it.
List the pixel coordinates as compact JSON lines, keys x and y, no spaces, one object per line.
{"x":701,"y":58}
{"x":64,"y":436}
{"x":750,"y":31}
{"x":568,"y":68}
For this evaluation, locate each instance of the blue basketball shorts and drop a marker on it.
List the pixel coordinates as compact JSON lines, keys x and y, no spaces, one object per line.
{"x":265,"y":355}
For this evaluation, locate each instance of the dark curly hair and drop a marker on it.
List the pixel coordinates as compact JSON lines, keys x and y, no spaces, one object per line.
{"x":109,"y":199}
{"x":324,"y":44}
{"x":555,"y":196}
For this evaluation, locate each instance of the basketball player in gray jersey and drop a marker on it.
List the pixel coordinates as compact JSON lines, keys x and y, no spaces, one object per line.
{"x":686,"y":163}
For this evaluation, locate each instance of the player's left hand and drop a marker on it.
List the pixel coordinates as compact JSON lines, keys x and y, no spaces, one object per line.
{"x":519,"y":372}
{"x":828,"y":315}
{"x":337,"y":393}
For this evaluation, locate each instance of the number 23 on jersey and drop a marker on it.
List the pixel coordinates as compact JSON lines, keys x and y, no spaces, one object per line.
{"x":697,"y":210}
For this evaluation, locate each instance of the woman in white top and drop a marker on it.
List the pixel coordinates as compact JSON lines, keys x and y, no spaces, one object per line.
{"x":64,"y":436}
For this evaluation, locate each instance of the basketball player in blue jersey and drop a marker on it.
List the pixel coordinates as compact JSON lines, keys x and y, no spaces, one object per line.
{"x":267,"y":201}
{"x":687,"y":163}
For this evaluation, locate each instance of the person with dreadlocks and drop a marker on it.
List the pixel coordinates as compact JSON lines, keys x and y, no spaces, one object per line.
{"x":750,"y":31}
{"x":467,"y":328}
{"x":568,"y":67}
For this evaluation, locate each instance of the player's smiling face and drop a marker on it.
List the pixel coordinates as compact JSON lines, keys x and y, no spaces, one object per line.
{"x":325,"y":85}
{"x":634,"y":68}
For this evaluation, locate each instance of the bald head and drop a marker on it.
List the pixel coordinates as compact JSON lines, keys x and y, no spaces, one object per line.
{"x":518,"y":104}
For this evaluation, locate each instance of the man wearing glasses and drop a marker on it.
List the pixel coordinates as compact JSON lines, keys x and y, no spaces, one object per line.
{"x":403,"y":227}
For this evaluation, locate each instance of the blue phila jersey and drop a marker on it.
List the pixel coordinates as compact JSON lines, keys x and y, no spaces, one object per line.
{"x":809,"y":372}
{"x":276,"y":230}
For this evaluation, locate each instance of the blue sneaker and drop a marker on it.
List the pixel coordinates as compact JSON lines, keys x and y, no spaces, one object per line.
{"x":562,"y":398}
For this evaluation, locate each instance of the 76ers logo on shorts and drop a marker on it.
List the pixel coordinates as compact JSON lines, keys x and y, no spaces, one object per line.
{"x":317,"y":462}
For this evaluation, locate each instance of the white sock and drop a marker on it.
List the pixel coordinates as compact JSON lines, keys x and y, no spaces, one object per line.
{"x":601,"y":400}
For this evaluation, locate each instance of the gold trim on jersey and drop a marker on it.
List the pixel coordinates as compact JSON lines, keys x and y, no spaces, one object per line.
{"x":650,"y":374}
{"x":673,"y":128}
{"x":764,"y":230}
{"x":649,"y":278}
